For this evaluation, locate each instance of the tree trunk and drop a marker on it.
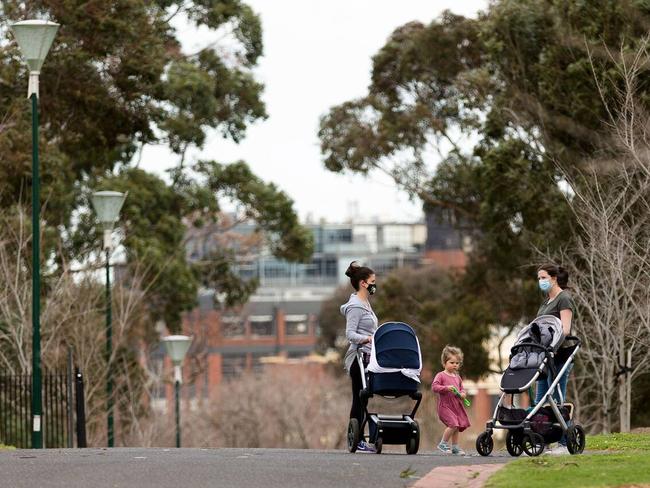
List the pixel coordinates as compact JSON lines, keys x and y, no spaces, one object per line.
{"x":607,"y":412}
{"x":628,"y":391}
{"x":625,"y":391}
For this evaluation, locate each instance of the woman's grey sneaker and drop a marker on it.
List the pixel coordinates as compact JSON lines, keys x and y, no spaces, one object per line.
{"x":365,"y":447}
{"x":444,"y":447}
{"x":559,"y":450}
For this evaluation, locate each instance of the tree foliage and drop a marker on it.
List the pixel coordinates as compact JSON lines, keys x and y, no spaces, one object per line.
{"x":115,"y":80}
{"x":485,"y":117}
{"x":426,"y":300}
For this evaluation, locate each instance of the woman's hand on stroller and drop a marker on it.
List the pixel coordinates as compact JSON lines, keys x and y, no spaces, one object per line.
{"x":368,"y":340}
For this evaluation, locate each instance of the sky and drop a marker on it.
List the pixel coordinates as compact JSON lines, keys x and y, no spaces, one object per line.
{"x":317,"y":54}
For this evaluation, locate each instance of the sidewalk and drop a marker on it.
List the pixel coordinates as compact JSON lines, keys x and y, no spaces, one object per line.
{"x":472,"y":476}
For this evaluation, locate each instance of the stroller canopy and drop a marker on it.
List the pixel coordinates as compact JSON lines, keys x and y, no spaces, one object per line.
{"x":545,"y":331}
{"x":395,"y":347}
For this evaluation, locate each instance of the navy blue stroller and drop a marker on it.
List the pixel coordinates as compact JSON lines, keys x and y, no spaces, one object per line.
{"x":393,"y":371}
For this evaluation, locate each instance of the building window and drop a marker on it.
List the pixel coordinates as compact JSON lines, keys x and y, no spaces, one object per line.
{"x":297,"y":354}
{"x":296,"y":324}
{"x":258,"y":366}
{"x":338,"y":235}
{"x":246,"y":271}
{"x":232,"y":326}
{"x":277,"y":269}
{"x":331,"y":267}
{"x":262,"y":325}
{"x":233,"y":366}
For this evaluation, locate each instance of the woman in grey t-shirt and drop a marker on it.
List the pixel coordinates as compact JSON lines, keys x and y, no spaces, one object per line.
{"x":553,"y":281}
{"x":360,"y":325}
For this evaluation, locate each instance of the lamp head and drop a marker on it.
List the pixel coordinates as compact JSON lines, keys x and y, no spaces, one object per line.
{"x":34,"y":37}
{"x":107,"y":205}
{"x":177,"y":346}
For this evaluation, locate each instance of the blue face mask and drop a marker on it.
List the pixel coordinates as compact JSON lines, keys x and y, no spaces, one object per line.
{"x":545,"y":285}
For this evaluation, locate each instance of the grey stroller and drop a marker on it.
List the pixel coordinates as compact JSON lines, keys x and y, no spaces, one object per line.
{"x":534,"y":357}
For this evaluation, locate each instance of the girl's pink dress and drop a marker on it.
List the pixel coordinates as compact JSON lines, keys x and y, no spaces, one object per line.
{"x":451,"y":410}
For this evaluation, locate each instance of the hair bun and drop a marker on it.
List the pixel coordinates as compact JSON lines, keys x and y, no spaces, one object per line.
{"x":354,"y":265}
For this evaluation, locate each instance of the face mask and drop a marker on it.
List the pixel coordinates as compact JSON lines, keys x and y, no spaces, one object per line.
{"x":372,"y":289}
{"x":545,"y":285}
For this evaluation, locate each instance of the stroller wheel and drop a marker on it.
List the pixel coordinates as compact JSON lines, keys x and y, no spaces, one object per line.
{"x":533,"y":444}
{"x":379,"y":444}
{"x":354,"y":435}
{"x":575,"y":439}
{"x":484,"y":444}
{"x":513,"y":443}
{"x":413,"y":443}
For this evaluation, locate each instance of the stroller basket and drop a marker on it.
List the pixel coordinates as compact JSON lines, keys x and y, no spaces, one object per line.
{"x":510,"y":416}
{"x":545,"y":423}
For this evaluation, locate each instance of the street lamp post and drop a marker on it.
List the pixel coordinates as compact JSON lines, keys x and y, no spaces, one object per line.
{"x":177,"y":346}
{"x":34,"y":37}
{"x":107,"y":206}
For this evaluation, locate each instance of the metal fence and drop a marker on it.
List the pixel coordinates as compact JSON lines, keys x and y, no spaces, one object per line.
{"x":60,"y":406}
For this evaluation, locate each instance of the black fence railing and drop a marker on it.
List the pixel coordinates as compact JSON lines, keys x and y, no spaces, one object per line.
{"x":15,"y":410}
{"x":60,"y":406}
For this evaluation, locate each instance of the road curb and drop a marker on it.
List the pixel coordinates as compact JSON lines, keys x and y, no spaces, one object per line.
{"x":471,"y":476}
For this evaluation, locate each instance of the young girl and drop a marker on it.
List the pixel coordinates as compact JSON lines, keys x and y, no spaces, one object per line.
{"x":450,"y":407}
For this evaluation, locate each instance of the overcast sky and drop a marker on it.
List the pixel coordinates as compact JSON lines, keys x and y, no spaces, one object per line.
{"x":317,"y":54}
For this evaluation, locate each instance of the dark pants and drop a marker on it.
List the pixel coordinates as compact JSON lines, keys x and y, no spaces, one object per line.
{"x":356,"y":411}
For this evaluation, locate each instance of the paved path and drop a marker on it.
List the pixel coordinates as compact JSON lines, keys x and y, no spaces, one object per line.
{"x":232,"y":468}
{"x":473,"y":476}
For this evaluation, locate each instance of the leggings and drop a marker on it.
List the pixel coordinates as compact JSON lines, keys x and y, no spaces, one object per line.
{"x":543,"y":386}
{"x":356,"y":411}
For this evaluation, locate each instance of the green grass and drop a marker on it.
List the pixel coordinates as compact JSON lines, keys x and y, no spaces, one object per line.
{"x":618,"y":442}
{"x":6,"y":448}
{"x":626,"y":463}
{"x":575,"y":471}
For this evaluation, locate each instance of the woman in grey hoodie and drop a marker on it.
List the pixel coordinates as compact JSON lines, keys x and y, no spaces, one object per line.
{"x":360,"y":325}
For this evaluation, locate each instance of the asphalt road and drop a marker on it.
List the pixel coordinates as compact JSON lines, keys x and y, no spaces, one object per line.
{"x":236,"y":468}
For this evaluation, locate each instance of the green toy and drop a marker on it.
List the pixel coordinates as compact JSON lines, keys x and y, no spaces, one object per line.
{"x":457,"y":393}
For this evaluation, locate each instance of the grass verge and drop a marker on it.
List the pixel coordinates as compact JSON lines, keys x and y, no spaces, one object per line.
{"x":618,"y":442}
{"x":6,"y":448}
{"x":583,"y":471}
{"x":626,"y":464}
